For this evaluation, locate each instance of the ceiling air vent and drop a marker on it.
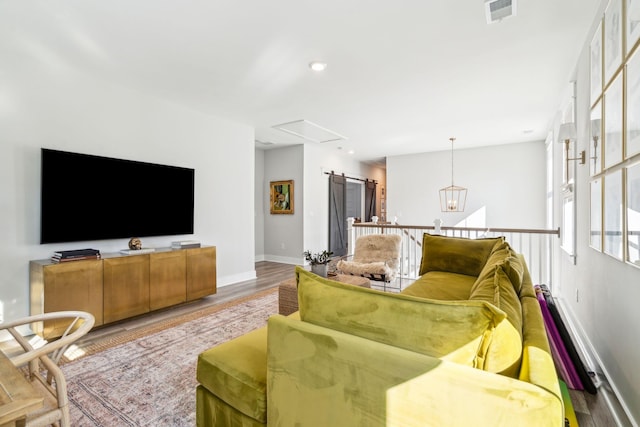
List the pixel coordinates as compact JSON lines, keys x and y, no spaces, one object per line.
{"x":497,"y":10}
{"x":309,"y":131}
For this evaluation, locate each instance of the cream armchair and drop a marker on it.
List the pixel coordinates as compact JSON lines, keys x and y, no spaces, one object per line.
{"x":43,"y":370}
{"x":375,"y":256}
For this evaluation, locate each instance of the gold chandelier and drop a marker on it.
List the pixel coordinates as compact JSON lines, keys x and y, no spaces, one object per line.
{"x":453,"y":198}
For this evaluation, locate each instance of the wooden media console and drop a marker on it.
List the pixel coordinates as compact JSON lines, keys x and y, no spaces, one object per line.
{"x":118,"y":286}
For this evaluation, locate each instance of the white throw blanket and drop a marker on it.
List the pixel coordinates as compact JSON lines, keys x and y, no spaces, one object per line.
{"x":374,"y":255}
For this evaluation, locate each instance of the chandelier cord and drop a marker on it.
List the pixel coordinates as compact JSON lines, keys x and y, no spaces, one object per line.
{"x":452,"y":139}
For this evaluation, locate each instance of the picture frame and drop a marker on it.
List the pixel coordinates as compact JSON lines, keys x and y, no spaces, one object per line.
{"x":613,"y":123}
{"x":567,"y":231}
{"x":613,"y":214}
{"x":281,"y":197}
{"x":596,"y":64}
{"x":612,"y":38}
{"x":632,"y":23}
{"x":595,"y":215}
{"x":595,"y":143}
{"x":633,"y":106}
{"x":569,"y":116}
{"x":633,"y":214}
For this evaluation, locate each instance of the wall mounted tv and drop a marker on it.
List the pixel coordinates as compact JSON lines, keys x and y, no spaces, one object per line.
{"x":86,"y":197}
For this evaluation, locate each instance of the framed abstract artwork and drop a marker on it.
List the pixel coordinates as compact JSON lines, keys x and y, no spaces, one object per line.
{"x":612,"y":38}
{"x":633,"y":106}
{"x":281,"y":197}
{"x":613,"y":123}
{"x":596,"y":64}
{"x":595,"y":144}
{"x":569,"y":116}
{"x":632,"y":23}
{"x":595,"y":214}
{"x":567,"y":231}
{"x":613,"y":214}
{"x":633,"y":214}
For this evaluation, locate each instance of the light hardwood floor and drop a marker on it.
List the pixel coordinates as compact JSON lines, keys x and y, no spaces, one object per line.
{"x":591,"y":410}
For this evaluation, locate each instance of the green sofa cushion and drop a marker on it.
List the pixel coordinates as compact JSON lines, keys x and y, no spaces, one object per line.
{"x":213,"y":412}
{"x":458,"y":331}
{"x":537,"y":363}
{"x":512,"y":264}
{"x":236,"y":373}
{"x":441,"y":285}
{"x":505,"y":351}
{"x":526,"y":290}
{"x":455,"y":254}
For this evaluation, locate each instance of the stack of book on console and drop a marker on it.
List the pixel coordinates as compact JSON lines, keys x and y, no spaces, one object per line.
{"x":185,"y":244}
{"x":75,"y":255}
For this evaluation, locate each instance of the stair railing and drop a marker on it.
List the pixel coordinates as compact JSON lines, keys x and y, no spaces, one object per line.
{"x":536,"y":245}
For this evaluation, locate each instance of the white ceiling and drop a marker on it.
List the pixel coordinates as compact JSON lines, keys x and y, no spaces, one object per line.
{"x":403,"y":76}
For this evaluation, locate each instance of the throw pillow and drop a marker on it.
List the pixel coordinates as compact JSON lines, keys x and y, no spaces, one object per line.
{"x":455,"y":254}
{"x":458,"y":331}
{"x":505,"y":353}
{"x":511,"y":264}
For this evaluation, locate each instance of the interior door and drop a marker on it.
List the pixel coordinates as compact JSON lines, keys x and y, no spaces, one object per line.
{"x":369,"y":200}
{"x":354,"y":200}
{"x":337,"y":215}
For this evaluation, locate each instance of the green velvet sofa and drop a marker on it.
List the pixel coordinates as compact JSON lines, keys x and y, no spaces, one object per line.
{"x":463,"y":345}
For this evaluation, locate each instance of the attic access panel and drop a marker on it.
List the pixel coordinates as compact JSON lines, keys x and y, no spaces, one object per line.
{"x":310,"y":131}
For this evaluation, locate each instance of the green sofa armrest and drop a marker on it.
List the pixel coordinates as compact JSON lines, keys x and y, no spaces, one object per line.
{"x":317,"y":376}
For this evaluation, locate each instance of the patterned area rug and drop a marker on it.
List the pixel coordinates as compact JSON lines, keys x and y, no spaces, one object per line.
{"x":151,"y":380}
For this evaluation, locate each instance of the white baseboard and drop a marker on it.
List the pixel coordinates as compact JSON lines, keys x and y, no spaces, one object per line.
{"x":284,"y":260}
{"x":235,"y":278}
{"x":590,"y":357}
{"x":250,"y":275}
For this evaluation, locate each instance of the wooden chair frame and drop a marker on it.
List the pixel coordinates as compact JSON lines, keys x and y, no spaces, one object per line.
{"x":43,"y":369}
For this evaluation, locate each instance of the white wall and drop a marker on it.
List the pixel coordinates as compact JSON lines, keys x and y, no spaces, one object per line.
{"x":283,"y":232}
{"x":259,"y":204}
{"x":319,"y":159}
{"x":49,"y":104}
{"x":507,"y":180}
{"x":308,"y":227}
{"x":601,"y":293}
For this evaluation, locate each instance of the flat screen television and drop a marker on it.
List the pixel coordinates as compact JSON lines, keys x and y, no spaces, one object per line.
{"x":86,"y":197}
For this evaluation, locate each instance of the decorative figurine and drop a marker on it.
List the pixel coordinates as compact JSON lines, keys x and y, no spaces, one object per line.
{"x":135,"y":244}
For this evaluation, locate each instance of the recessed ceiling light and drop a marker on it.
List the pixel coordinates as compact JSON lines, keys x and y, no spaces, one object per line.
{"x":351,"y":151}
{"x":317,"y":65}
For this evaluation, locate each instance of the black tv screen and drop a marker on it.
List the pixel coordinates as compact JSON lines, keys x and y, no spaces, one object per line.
{"x":86,"y":197}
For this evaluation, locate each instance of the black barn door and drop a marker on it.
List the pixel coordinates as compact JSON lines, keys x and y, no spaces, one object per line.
{"x":369,"y":200}
{"x":337,"y":215}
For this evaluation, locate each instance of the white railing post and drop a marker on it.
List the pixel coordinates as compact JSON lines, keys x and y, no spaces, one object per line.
{"x":351,"y":235}
{"x":437,"y":223}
